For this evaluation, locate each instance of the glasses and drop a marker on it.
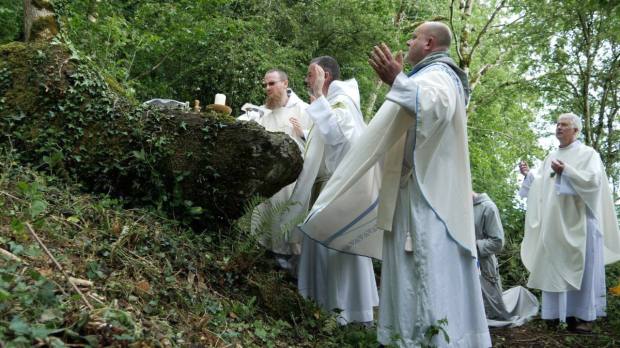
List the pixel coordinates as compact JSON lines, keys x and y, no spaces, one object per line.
{"x":270,"y":83}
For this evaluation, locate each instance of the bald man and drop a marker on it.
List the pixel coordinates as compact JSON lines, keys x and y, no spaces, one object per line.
{"x":429,"y":277}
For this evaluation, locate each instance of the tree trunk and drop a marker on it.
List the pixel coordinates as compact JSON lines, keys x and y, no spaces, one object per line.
{"x":39,"y":20}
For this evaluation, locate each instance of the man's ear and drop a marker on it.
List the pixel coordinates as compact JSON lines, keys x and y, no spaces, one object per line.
{"x":285,"y":82}
{"x":430,"y":42}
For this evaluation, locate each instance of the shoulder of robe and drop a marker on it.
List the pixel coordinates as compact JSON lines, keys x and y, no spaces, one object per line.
{"x":492,"y":210}
{"x":590,"y":150}
{"x":590,"y":153}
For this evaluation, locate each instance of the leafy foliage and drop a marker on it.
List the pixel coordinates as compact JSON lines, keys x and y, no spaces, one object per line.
{"x":154,"y":282}
{"x":190,"y":50}
{"x":576,"y":49}
{"x":10,"y":20}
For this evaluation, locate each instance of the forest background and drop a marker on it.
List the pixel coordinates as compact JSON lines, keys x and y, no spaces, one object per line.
{"x":528,"y":61}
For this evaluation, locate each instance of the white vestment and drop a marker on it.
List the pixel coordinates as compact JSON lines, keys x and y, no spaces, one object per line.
{"x":438,"y":279}
{"x":277,"y":120}
{"x":428,"y":247}
{"x":333,"y":279}
{"x":571,"y":231}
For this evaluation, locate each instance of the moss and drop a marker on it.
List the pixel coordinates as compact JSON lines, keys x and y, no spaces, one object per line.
{"x":18,"y":82}
{"x":43,"y":5}
{"x":218,"y":116}
{"x":114,"y":85}
{"x":44,"y":28}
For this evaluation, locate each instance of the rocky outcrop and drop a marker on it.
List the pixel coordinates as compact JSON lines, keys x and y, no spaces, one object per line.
{"x":60,"y":114}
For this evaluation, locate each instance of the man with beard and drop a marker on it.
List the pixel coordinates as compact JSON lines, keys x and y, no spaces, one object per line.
{"x":283,"y":111}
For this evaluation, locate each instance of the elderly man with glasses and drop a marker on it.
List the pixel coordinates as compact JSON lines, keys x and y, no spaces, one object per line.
{"x":571,"y":230}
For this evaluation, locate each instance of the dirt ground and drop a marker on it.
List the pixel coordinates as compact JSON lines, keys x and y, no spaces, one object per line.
{"x":537,"y":334}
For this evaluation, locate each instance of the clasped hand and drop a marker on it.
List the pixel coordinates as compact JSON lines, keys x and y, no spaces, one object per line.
{"x":557,"y":166}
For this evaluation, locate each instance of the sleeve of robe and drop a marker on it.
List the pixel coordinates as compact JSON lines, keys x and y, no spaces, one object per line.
{"x":493,"y":231}
{"x":433,"y":99}
{"x":563,"y":186}
{"x":331,"y":121}
{"x":525,"y":185}
{"x":586,"y":182}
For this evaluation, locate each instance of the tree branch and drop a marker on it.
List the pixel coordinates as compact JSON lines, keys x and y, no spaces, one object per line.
{"x":456,"y":37}
{"x":155,"y":67}
{"x":49,"y":254}
{"x":486,"y":27}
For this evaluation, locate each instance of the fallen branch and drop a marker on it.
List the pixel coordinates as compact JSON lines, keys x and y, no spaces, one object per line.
{"x":96,"y":298}
{"x":81,"y":282}
{"x":11,"y":256}
{"x":11,"y":196}
{"x":36,"y":237}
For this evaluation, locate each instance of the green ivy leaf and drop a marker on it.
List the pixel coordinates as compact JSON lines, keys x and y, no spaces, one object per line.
{"x":74,"y":219}
{"x":4,"y":295}
{"x":50,"y":314}
{"x":37,"y":207}
{"x":40,"y":331}
{"x":19,"y":326}
{"x":140,"y":155}
{"x":23,"y":186}
{"x":195,"y":210}
{"x":261,"y":333}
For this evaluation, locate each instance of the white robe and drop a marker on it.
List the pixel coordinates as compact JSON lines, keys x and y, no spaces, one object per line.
{"x":568,"y":291}
{"x":439,"y":278}
{"x":556,"y":223}
{"x":336,"y":280}
{"x":277,"y":120}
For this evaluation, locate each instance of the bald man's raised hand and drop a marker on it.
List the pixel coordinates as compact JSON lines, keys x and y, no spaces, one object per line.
{"x":385,"y":64}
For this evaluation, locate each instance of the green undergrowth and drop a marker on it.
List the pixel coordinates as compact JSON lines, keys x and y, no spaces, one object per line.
{"x":153,"y":282}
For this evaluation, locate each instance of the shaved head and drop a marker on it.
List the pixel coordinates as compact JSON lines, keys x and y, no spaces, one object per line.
{"x":439,"y":31}
{"x":427,"y":38}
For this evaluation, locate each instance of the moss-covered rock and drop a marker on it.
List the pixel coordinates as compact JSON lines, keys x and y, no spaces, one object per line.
{"x":60,"y":114}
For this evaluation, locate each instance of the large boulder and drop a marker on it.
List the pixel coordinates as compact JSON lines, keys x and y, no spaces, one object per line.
{"x":60,"y":114}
